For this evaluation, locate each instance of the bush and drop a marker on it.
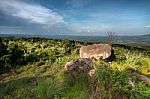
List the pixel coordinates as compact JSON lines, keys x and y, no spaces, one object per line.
{"x":12,"y":55}
{"x":3,"y":48}
{"x":111,"y":83}
{"x":144,"y":65}
{"x":16,"y":54}
{"x":119,"y":55}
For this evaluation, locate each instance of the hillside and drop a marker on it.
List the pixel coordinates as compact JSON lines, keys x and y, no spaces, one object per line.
{"x":141,"y":39}
{"x":33,"y":68}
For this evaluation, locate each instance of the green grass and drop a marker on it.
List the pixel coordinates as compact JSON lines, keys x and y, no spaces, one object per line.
{"x":46,"y":77}
{"x":48,"y":88}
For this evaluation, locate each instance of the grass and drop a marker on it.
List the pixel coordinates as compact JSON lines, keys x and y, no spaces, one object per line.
{"x":46,"y":79}
{"x":133,"y":60}
{"x":16,"y":88}
{"x":48,"y":88}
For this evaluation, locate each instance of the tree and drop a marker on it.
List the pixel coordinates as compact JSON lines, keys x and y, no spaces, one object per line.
{"x":110,"y":37}
{"x":3,"y":48}
{"x":16,"y":54}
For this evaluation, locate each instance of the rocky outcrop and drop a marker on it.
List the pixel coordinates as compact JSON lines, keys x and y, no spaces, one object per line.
{"x":77,"y":66}
{"x":84,"y":64}
{"x":95,"y":51}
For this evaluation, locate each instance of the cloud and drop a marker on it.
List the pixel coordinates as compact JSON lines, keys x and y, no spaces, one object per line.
{"x":147,"y":26}
{"x":77,"y":3}
{"x":32,"y":13}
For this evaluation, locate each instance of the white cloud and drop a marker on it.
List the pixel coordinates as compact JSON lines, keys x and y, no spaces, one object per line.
{"x":31,"y":13}
{"x":88,"y":27}
{"x":147,"y":26}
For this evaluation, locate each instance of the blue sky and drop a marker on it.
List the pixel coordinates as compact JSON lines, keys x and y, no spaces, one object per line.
{"x":75,"y":17}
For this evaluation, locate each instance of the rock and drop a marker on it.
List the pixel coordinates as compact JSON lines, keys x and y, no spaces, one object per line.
{"x":78,"y":66}
{"x":143,"y":78}
{"x":91,"y":72}
{"x":95,"y":51}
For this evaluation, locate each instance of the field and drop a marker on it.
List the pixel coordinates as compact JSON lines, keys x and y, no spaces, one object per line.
{"x":33,"y":68}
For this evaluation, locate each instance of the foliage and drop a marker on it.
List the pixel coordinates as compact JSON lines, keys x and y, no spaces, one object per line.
{"x":13,"y":56}
{"x":110,"y":83}
{"x":37,"y":71}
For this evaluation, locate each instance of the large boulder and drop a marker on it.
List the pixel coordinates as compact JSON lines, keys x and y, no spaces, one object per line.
{"x":95,"y":51}
{"x":78,"y":66}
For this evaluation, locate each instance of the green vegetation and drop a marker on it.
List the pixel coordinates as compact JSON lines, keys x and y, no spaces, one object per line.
{"x":34,"y":68}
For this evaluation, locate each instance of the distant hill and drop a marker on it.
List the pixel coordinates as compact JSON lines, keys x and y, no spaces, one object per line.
{"x":140,"y":40}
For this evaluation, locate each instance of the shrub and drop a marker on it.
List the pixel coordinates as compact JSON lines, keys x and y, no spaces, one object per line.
{"x":16,"y":55}
{"x":144,"y":65}
{"x":110,"y":83}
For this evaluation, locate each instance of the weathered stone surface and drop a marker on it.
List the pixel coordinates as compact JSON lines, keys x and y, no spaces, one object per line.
{"x":91,"y":73}
{"x":95,"y":51}
{"x":143,"y":78}
{"x":79,"y":65}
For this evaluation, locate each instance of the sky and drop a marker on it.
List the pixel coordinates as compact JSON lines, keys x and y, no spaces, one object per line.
{"x":75,"y":17}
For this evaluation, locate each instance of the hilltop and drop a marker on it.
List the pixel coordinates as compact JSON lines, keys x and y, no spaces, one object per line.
{"x":34,"y":68}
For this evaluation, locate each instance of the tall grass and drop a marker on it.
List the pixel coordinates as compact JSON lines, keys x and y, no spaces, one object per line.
{"x":132,"y":59}
{"x":111,"y":83}
{"x":48,"y":88}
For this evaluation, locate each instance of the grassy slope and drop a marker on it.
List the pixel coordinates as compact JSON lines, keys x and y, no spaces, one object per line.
{"x":46,"y":79}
